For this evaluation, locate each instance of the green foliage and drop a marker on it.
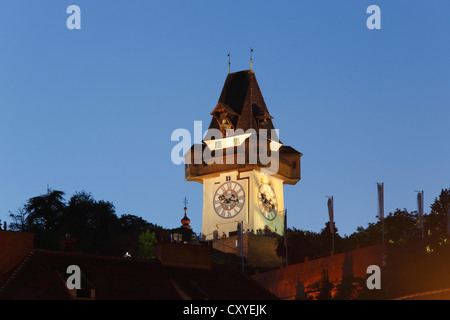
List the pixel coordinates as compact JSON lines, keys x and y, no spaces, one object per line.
{"x":147,"y":241}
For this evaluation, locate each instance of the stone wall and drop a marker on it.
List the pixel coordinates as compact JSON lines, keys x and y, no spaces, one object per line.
{"x":290,"y":282}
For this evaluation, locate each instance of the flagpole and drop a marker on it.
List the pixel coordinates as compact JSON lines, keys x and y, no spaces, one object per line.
{"x":285,"y":235}
{"x":241,"y":243}
{"x":380,"y":187}
{"x":332,"y":225}
{"x":421,"y":212}
{"x":420,"y":209}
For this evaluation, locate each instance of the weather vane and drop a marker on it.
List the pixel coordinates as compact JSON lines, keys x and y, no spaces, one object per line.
{"x":229,"y":63}
{"x":185,"y":202}
{"x":251,"y":59}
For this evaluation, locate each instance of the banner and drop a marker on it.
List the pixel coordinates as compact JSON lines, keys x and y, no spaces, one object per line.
{"x":381,"y":200}
{"x":330,"y":213}
{"x":420,"y":208}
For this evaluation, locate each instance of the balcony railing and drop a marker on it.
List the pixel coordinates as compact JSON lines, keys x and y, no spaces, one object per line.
{"x":288,"y":168}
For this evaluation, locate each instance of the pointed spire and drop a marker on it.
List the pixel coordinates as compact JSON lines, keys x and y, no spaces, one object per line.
{"x":229,"y":63}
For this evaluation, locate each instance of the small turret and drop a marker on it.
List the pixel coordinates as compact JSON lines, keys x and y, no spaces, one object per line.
{"x":185,"y":221}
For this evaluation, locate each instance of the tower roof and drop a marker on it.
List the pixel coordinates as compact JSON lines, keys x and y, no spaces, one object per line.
{"x":241,"y":101}
{"x":241,"y":106}
{"x":185,"y":221}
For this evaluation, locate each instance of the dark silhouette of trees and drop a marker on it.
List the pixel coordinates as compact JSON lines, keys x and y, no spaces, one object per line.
{"x":18,"y":220}
{"x":321,"y":289}
{"x":41,"y":215}
{"x":306,"y":244}
{"x":439,"y":207}
{"x":94,"y":223}
{"x":44,"y":212}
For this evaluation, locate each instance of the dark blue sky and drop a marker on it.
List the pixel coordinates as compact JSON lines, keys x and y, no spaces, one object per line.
{"x":94,"y":109}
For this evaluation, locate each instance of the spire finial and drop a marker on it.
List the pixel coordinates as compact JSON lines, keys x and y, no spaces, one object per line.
{"x":185,"y":203}
{"x":251,"y":59}
{"x":229,"y":63}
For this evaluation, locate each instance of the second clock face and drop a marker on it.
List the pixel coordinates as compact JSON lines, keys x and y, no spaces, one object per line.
{"x":229,"y":199}
{"x":267,"y":201}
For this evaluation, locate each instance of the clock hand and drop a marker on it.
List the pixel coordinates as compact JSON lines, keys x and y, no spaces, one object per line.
{"x":230,"y":199}
{"x":263,"y":197}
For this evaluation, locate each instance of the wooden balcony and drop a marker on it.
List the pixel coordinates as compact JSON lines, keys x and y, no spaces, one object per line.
{"x":287,"y":165}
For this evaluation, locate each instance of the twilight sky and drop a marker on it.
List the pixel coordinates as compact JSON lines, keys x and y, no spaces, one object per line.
{"x":94,"y":109}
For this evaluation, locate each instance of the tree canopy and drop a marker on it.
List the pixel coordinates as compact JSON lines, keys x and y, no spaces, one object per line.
{"x":93,"y":222}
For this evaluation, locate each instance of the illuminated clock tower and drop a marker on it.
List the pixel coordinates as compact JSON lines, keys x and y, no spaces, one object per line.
{"x":242,"y":164}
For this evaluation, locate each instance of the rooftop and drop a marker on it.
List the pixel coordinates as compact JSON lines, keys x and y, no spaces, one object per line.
{"x":41,"y":275}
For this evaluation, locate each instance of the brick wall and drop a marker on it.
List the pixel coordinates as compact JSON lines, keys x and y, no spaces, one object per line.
{"x":14,"y":246}
{"x":290,"y":282}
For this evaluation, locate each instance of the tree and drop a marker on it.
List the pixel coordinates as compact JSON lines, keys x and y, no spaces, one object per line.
{"x":19,"y":220}
{"x":41,"y":215}
{"x":327,"y":238}
{"x":300,"y":243}
{"x":401,"y":226}
{"x":78,"y":215}
{"x":322,"y":289}
{"x":131,"y":227}
{"x":349,"y":288}
{"x":94,"y":223}
{"x":436,"y":221}
{"x":440,"y":204}
{"x":147,"y":241}
{"x":44,"y":211}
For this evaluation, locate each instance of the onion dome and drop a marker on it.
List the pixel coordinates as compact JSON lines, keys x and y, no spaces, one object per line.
{"x":185,"y":221}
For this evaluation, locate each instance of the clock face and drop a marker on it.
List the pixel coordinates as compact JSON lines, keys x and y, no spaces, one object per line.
{"x":267,"y":201}
{"x":229,"y":199}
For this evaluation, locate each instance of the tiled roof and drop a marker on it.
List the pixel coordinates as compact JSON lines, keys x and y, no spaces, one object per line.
{"x":242,"y":100}
{"x":39,"y":277}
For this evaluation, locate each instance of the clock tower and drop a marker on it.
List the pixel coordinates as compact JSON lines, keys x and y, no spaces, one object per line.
{"x":242,"y":164}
